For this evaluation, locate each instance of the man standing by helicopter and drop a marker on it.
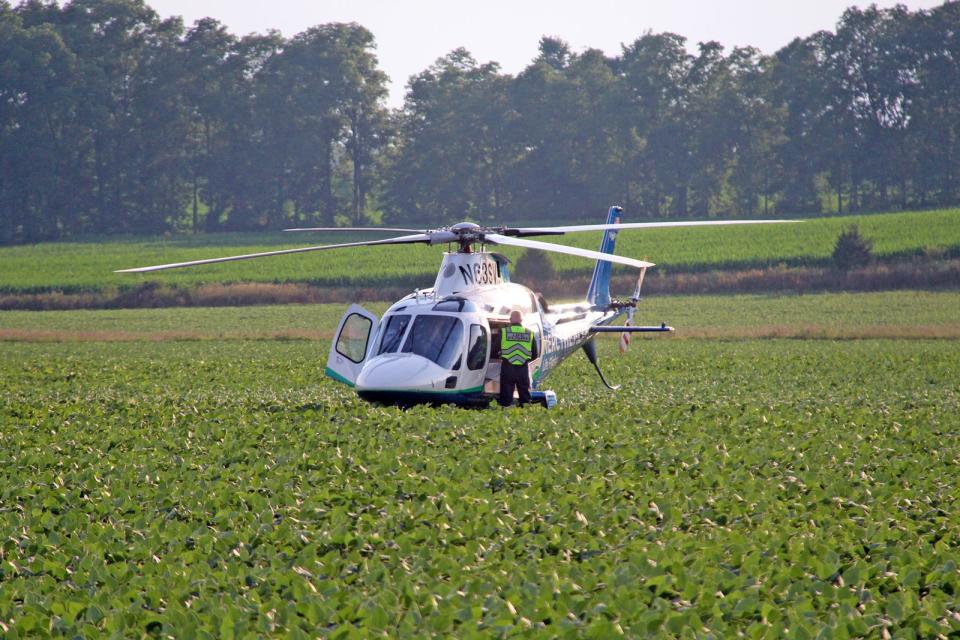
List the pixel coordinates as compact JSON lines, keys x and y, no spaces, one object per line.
{"x":517,"y":349}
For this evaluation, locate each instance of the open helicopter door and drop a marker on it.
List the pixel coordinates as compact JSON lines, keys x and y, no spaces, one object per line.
{"x":351,"y":343}
{"x":491,"y":383}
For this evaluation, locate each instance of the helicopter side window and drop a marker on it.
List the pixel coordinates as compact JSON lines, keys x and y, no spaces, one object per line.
{"x":477,"y":356}
{"x":352,"y":342}
{"x":436,"y":338}
{"x":393,"y":333}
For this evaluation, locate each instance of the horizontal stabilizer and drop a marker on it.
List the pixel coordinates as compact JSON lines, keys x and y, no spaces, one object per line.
{"x":607,"y":329}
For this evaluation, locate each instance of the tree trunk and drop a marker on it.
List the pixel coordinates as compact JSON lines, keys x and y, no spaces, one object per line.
{"x":326,"y":183}
{"x":196,"y":204}
{"x":853,"y":203}
{"x":681,"y":205}
{"x":6,"y":210}
{"x":948,"y":190}
{"x":903,"y":192}
{"x":279,"y":197}
{"x":840,"y":192}
{"x":101,"y":221}
{"x":359,"y":194}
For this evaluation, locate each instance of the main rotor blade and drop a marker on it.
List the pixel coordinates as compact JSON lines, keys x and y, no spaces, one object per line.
{"x":420,"y":237}
{"x":523,"y":231}
{"x":496,"y":238}
{"x":394,"y":229}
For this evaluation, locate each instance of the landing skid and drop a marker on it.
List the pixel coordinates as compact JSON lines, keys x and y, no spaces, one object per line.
{"x":547,"y":398}
{"x":612,"y":387}
{"x":590,"y":349}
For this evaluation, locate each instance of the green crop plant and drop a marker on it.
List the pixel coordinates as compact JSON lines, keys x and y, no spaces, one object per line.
{"x":208,"y":488}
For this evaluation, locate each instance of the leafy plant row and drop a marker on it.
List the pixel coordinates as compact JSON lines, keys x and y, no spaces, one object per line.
{"x":227,"y":489}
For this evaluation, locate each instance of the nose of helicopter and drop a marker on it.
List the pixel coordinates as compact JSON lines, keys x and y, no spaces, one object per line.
{"x":402,"y":372}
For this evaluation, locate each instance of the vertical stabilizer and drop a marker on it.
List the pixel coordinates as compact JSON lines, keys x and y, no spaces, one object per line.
{"x":598,"y":294}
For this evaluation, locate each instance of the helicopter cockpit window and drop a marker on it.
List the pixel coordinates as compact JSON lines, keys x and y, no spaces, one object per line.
{"x":396,"y":326}
{"x":437,"y":338}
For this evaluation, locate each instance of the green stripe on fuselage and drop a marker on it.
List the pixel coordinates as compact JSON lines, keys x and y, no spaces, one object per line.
{"x":336,"y":376}
{"x":339,"y":378}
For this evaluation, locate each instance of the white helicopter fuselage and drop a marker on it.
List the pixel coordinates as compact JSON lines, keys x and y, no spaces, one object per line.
{"x":443,"y":344}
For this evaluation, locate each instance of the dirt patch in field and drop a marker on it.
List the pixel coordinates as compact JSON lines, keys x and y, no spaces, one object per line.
{"x":152,"y":295}
{"x":822,"y":332}
{"x":64,"y":335}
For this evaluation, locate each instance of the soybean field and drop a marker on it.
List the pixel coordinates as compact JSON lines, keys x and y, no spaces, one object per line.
{"x":217,"y":485}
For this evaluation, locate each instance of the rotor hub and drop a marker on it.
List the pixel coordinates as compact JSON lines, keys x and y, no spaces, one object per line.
{"x":467,"y":234}
{"x":465,"y":227}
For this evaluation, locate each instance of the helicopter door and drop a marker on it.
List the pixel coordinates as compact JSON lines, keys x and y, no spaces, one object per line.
{"x":478,"y":354}
{"x":350,"y":345}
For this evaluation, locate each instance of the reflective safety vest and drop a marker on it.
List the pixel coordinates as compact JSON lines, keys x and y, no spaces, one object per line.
{"x":516,"y":345}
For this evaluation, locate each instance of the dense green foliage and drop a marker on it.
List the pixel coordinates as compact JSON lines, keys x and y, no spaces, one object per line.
{"x":852,"y":249}
{"x":74,"y":266}
{"x":113,"y":121}
{"x":226,"y":489}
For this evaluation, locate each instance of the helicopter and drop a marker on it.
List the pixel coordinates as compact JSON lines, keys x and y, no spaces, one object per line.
{"x":441,"y":345}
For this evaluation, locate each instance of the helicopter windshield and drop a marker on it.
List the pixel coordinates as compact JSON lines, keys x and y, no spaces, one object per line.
{"x":437,"y":338}
{"x":393,"y":333}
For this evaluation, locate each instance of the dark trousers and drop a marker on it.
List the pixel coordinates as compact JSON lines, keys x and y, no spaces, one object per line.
{"x":514,"y":375}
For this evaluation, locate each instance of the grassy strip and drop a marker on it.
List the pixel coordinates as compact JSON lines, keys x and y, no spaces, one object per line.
{"x":902,"y":314}
{"x":66,"y":335}
{"x":878,"y":277}
{"x":81,"y":267}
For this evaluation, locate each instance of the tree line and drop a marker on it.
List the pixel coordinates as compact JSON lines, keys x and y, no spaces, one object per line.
{"x":115,"y":121}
